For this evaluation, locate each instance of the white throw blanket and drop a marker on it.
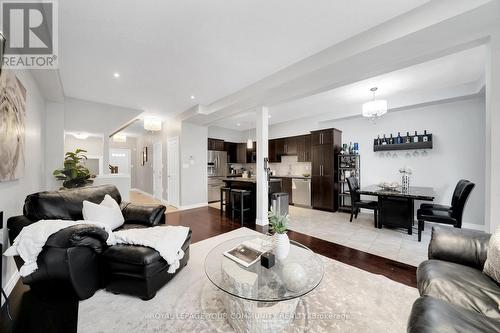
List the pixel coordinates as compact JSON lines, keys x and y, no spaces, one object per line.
{"x":167,"y":240}
{"x":32,"y":238}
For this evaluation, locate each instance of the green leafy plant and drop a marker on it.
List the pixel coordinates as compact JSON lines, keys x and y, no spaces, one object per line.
{"x":278,"y":223}
{"x":74,"y":174}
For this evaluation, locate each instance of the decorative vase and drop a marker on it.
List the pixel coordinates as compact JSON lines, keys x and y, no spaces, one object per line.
{"x":405,"y":183}
{"x":281,"y":245}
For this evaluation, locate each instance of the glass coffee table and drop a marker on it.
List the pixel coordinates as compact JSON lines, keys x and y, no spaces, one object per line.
{"x":258,"y":299}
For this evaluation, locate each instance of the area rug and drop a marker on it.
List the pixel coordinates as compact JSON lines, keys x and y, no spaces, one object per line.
{"x":347,"y":300}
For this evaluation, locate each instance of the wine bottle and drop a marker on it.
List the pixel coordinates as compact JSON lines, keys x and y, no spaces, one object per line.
{"x":425,"y":138}
{"x":384,"y":140}
{"x":407,"y":139}
{"x":377,"y":142}
{"x":391,"y":140}
{"x":399,"y":139}
{"x":415,"y":137}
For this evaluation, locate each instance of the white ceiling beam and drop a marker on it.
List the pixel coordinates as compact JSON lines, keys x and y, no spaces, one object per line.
{"x":391,"y":46}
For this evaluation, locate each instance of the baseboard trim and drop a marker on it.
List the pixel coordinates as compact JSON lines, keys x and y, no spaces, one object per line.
{"x":193,"y":206}
{"x":142,"y":192}
{"x":473,"y":226}
{"x":9,"y":286}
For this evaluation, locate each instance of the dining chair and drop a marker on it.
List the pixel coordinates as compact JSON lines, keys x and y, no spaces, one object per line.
{"x":357,"y":203}
{"x":443,"y":214}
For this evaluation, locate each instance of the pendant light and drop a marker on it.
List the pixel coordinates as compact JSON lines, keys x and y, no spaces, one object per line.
{"x":249,"y":140}
{"x":375,"y":108}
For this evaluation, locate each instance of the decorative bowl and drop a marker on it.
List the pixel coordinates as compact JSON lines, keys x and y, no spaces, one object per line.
{"x":306,"y":175}
{"x":389,"y":186}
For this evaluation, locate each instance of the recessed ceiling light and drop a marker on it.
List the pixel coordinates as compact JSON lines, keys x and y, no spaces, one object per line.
{"x":269,"y":116}
{"x":117,"y":75}
{"x":238,"y":124}
{"x":192,"y":97}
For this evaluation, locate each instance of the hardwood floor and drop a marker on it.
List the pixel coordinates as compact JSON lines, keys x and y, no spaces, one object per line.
{"x":32,"y":314}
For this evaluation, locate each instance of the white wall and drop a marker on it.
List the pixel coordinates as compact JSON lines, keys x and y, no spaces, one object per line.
{"x":76,"y":115}
{"x":458,"y":130}
{"x":12,"y":194}
{"x":193,"y":159}
{"x":93,"y":145}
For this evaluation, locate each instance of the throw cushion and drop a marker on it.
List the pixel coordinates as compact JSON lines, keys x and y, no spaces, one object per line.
{"x":108,"y":212}
{"x":492,"y":264}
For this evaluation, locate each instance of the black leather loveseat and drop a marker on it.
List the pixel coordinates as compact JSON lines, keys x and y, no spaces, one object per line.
{"x":77,"y":260}
{"x":455,"y":294}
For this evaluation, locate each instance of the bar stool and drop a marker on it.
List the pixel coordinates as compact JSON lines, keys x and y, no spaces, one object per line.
{"x":238,"y":203}
{"x":225,"y":199}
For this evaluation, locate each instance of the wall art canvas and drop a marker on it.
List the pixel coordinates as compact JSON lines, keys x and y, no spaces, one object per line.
{"x":12,"y":126}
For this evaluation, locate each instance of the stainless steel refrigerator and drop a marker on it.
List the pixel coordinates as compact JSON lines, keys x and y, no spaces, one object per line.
{"x":216,"y":170}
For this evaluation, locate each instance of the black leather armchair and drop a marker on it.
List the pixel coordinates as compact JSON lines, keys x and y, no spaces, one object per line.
{"x":71,"y":259}
{"x":455,"y":294}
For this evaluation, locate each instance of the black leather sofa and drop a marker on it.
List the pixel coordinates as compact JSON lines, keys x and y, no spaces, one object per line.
{"x":77,"y":260}
{"x":455,"y":294}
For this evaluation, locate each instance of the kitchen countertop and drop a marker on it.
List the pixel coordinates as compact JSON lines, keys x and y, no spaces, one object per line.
{"x":241,"y":179}
{"x":291,"y":176}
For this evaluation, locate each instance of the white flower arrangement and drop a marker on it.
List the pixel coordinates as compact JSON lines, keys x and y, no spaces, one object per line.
{"x":406,"y":170}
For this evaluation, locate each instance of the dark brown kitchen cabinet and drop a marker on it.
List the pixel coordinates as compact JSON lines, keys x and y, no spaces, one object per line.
{"x":325,"y":149}
{"x":241,"y":153}
{"x":290,"y":146}
{"x":215,"y":144}
{"x":272,"y":153}
{"x":280,"y":147}
{"x":304,"y":148}
{"x":322,"y":137}
{"x":232,"y":151}
{"x":286,"y":186}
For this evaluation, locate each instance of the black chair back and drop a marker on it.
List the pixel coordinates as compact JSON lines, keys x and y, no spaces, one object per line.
{"x":458,"y":189}
{"x":464,"y":189}
{"x":352,"y":183}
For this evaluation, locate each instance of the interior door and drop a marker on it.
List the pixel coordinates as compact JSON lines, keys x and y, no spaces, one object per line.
{"x":157,"y":171}
{"x":173,"y":171}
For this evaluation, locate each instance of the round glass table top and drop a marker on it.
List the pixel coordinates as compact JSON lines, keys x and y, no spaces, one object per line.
{"x":295,"y":276}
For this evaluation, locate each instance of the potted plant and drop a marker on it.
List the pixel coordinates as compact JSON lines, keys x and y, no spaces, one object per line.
{"x":74,"y":174}
{"x":278,"y":225}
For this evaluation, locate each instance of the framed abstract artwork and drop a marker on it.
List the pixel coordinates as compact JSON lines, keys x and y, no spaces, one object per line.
{"x":12,"y":126}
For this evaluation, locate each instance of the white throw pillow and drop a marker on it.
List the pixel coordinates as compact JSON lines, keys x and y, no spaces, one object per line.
{"x":492,"y":264}
{"x":108,"y":212}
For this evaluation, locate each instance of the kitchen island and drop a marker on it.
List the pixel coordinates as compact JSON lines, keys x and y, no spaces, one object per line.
{"x":251,"y":185}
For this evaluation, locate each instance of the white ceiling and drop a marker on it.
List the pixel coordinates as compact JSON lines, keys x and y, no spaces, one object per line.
{"x":166,"y":51}
{"x":451,"y":76}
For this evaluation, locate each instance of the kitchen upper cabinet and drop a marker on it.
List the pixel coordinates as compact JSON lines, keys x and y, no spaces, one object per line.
{"x":290,"y":146}
{"x":232,"y":152}
{"x":280,"y":147}
{"x":241,"y":153}
{"x":304,"y":148}
{"x":216,"y":144}
{"x":323,"y":137}
{"x":272,"y":153}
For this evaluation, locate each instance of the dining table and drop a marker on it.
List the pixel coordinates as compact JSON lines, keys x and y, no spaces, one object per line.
{"x":396,"y":208}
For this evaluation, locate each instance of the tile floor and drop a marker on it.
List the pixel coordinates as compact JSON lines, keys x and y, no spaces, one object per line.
{"x":361,"y":234}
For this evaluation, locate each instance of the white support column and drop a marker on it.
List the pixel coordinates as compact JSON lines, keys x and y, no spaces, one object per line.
{"x":262,"y":153}
{"x":492,"y":153}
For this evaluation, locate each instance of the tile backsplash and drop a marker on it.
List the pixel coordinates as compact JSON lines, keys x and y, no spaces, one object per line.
{"x":288,"y":166}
